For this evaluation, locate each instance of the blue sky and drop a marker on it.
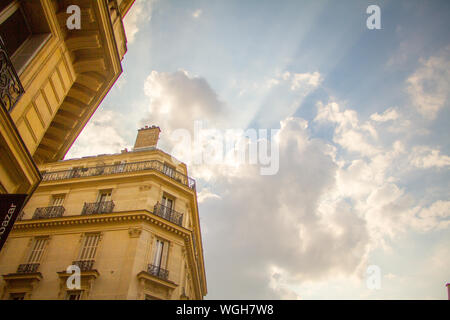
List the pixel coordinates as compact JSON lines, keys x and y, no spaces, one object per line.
{"x":364,"y":139}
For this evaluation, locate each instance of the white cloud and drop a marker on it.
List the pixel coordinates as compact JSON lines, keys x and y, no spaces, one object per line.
{"x":305,"y":80}
{"x":277,"y":223}
{"x":319,"y":217}
{"x":205,"y":194}
{"x":387,"y":115}
{"x":426,"y":157}
{"x":349,"y":133}
{"x":428,"y":85}
{"x":99,"y":136}
{"x":140,"y":12}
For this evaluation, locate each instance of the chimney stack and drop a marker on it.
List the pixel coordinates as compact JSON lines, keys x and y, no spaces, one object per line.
{"x":147,"y":137}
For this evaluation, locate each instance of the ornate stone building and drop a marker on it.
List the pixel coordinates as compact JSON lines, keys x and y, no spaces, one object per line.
{"x":129,"y":221}
{"x":52,"y":79}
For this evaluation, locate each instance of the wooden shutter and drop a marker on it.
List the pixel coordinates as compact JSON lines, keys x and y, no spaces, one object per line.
{"x":37,"y":250}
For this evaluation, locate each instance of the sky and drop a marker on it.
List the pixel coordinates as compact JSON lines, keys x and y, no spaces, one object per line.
{"x":359,"y":205}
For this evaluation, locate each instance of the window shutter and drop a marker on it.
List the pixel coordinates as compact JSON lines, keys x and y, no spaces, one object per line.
{"x":164,"y":255}
{"x":38,"y":250}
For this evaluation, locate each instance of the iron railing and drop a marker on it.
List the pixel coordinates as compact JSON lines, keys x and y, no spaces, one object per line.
{"x":98,"y":207}
{"x":10,"y":87}
{"x":49,"y":212}
{"x":28,"y":268}
{"x":84,"y":265}
{"x":168,"y":214}
{"x":157,"y":271}
{"x":120,"y":168}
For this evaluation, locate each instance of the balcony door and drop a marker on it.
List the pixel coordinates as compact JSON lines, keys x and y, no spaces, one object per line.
{"x":160,"y":254}
{"x":58,"y":200}
{"x":89,"y":247}
{"x":104,"y":196}
{"x":36,"y":252}
{"x":167,"y":206}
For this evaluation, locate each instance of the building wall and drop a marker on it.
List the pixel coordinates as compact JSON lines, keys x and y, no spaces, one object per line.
{"x":65,"y":74}
{"x":128,"y":233}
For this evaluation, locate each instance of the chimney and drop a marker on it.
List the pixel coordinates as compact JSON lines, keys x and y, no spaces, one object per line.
{"x":147,"y":137}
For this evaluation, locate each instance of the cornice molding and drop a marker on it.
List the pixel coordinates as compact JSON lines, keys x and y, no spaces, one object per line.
{"x":115,"y":217}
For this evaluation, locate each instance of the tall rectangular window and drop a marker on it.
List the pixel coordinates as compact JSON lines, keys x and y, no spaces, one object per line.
{"x":89,"y":247}
{"x":58,"y":200}
{"x":22,"y":35}
{"x":160,"y":253}
{"x":104,"y":196}
{"x":37,"y":250}
{"x":167,"y":203}
{"x":74,"y":295}
{"x":168,"y":170}
{"x":14,"y":29}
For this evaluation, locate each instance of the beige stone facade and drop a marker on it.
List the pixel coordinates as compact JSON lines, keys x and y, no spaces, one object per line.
{"x":56,"y":77}
{"x":130,"y":221}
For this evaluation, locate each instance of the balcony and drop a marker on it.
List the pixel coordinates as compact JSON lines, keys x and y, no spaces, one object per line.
{"x":28,"y":268}
{"x":84,"y":265}
{"x":49,"y":212}
{"x":10,"y":87}
{"x":120,"y":168}
{"x":168,"y":214}
{"x":158,"y":272}
{"x":98,"y":207}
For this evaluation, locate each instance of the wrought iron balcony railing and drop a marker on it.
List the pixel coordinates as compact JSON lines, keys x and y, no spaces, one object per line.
{"x":49,"y":212}
{"x":10,"y":87}
{"x":84,"y":265}
{"x":120,"y":168}
{"x":28,"y":268}
{"x":157,"y":271}
{"x":168,"y":214}
{"x":98,"y":207}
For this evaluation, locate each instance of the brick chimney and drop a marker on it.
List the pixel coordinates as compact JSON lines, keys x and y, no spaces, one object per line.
{"x":147,"y":137}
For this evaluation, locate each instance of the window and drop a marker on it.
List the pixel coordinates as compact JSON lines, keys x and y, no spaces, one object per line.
{"x":89,"y":247}
{"x":37,"y":250}
{"x":160,"y":253}
{"x":168,"y":203}
{"x":168,"y":170}
{"x":74,"y":295}
{"x":58,"y":200}
{"x":14,"y":29}
{"x":17,"y":296}
{"x":22,"y":36}
{"x":104,"y":196}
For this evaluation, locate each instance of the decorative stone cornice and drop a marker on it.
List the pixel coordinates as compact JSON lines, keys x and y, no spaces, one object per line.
{"x":115,"y":217}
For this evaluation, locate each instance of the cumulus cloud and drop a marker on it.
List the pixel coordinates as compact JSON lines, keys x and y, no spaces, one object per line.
{"x":319,"y":216}
{"x":177,"y":99}
{"x":387,"y":115}
{"x":426,"y":157}
{"x":140,"y":12}
{"x":99,"y":136}
{"x":428,"y":85}
{"x":349,"y":133}
{"x":276,"y":225}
